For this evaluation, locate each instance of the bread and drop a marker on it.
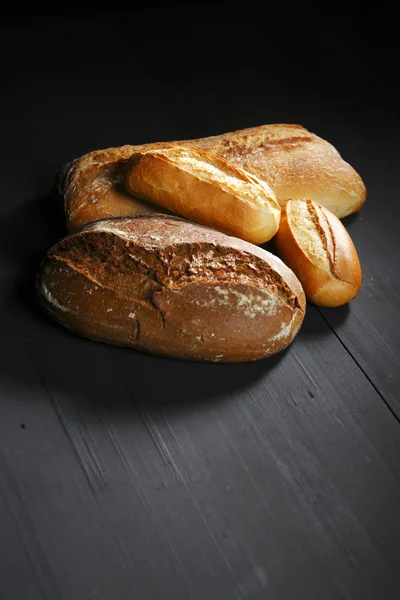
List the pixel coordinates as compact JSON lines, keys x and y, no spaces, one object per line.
{"x":93,"y":189}
{"x":206,"y":189}
{"x":169,"y":287}
{"x":292,"y":161}
{"x":315,"y":244}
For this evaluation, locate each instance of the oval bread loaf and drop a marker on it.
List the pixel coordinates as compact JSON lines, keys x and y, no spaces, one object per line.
{"x":166,"y":286}
{"x":294,"y":162}
{"x":206,"y":189}
{"x":315,"y":244}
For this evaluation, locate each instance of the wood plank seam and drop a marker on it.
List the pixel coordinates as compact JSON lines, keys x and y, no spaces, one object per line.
{"x":370,"y":381}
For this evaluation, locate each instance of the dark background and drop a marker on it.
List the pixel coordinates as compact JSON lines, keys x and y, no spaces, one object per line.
{"x":128,"y":476}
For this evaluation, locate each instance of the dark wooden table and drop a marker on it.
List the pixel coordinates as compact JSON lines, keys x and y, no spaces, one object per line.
{"x":124,"y":476}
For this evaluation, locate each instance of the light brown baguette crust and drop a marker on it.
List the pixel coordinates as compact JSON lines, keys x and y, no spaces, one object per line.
{"x":206,"y":189}
{"x":166,"y":286}
{"x":92,"y":188}
{"x":294,"y":162}
{"x":320,"y":251}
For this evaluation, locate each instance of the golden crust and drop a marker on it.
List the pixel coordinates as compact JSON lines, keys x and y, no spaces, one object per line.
{"x":294,"y":162}
{"x":331,"y":280}
{"x":92,"y":188}
{"x":206,"y":189}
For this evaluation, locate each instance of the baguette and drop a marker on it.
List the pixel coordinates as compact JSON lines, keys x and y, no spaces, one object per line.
{"x":163,"y":285}
{"x":316,"y":246}
{"x":292,"y":161}
{"x":205,"y":188}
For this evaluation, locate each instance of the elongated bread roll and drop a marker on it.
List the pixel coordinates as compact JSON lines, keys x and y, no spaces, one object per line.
{"x":206,"y":189}
{"x":315,"y":244}
{"x":166,"y":286}
{"x":294,"y":162}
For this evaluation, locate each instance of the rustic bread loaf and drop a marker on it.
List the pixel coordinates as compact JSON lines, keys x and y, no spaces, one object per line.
{"x":205,"y":188}
{"x":292,"y":161}
{"x":166,"y":286}
{"x":315,"y":244}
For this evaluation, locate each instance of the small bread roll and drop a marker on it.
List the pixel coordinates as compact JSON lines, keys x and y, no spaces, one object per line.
{"x":206,"y":189}
{"x":316,"y":246}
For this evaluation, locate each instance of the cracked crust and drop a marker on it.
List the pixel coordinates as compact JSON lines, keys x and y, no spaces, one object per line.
{"x":166,"y":286}
{"x":315,"y":244}
{"x":206,"y":189}
{"x":294,"y":162}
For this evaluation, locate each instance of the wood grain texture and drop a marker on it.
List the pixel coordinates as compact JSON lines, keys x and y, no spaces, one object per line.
{"x":370,"y":327}
{"x":227,"y":488}
{"x":124,"y":476}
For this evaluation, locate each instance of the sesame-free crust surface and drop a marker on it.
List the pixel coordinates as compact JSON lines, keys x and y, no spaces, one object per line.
{"x":294,"y":162}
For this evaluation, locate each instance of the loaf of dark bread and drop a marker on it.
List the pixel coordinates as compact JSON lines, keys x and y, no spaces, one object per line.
{"x":170,"y":287}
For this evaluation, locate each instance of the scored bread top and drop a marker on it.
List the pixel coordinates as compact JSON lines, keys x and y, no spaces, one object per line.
{"x":310,"y":229}
{"x":215,"y":169}
{"x":316,"y":245}
{"x":205,"y":188}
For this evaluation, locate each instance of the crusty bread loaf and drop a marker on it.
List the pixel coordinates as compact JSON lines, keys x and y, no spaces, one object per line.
{"x":292,"y":161}
{"x":93,"y":189}
{"x":170,"y":287}
{"x":315,"y":244}
{"x":206,"y":189}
